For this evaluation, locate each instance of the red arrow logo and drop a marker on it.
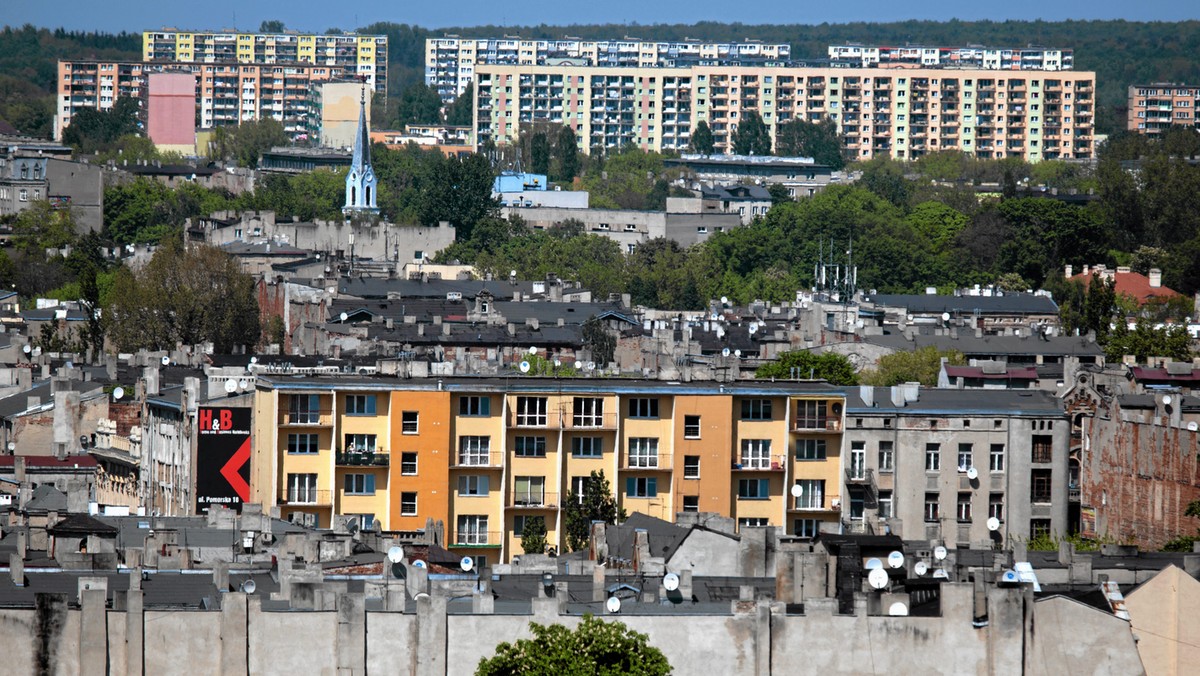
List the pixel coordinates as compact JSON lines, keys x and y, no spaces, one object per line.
{"x":232,"y":471}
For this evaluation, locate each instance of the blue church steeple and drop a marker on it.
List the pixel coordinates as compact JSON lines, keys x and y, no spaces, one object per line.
{"x":360,"y":180}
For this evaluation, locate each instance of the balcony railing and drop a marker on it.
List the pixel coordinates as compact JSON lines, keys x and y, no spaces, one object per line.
{"x":603,"y":421}
{"x":477,"y":459}
{"x":860,"y":475}
{"x":807,"y":503}
{"x":475,"y":538}
{"x":774,"y":463}
{"x":534,"y":420}
{"x":306,"y":496}
{"x":820,"y":424}
{"x":659,"y":462}
{"x":363,"y":459}
{"x":533,"y":500}
{"x":320,"y":417}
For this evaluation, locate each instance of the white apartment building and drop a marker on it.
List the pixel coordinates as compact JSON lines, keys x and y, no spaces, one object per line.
{"x":986,"y":58}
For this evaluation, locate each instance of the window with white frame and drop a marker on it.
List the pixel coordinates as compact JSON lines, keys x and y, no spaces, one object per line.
{"x":996,"y":458}
{"x":964,"y":508}
{"x":643,"y":452}
{"x":472,"y":529}
{"x":964,"y":457}
{"x":409,"y":422}
{"x":812,"y":494}
{"x":531,"y":412}
{"x":359,"y":443}
{"x":588,"y":412}
{"x":691,"y":427}
{"x":303,"y":444}
{"x":933,"y":457}
{"x":810,"y":449}
{"x":885,"y":505}
{"x":753,"y":522}
{"x":691,"y":503}
{"x":408,"y":463}
{"x":858,"y":459}
{"x":530,"y":447}
{"x":587,"y":447}
{"x":996,"y":506}
{"x":756,"y":454}
{"x":529,"y":490}
{"x":811,"y":414}
{"x":691,"y":467}
{"x":887,"y":456}
{"x":302,"y":488}
{"x":408,"y":503}
{"x":473,"y":485}
{"x":474,"y":450}
{"x":931,"y":507}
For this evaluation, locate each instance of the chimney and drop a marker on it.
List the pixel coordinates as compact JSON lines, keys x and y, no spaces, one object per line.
{"x":1070,"y":269}
{"x":1087,"y":271}
{"x":912,"y":391}
{"x":150,"y":375}
{"x":1155,"y":278}
{"x":898,"y":396}
{"x":16,"y":567}
{"x":867,"y":394}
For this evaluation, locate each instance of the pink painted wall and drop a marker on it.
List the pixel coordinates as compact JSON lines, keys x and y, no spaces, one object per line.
{"x":171,"y":116}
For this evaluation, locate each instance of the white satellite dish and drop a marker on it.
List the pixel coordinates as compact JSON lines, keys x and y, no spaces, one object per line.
{"x":945,"y":316}
{"x":466,"y":564}
{"x":253,"y":360}
{"x":1166,"y":398}
{"x":898,"y":609}
{"x":578,"y":364}
{"x":418,"y":564}
{"x":737,"y":353}
{"x":249,"y":586}
{"x":533,"y":350}
{"x":343,"y":316}
{"x":724,"y":300}
{"x":27,"y":349}
{"x":873,"y":563}
{"x":993,"y":523}
{"x":1192,"y":427}
{"x":939,"y":553}
{"x":725,"y":352}
{"x":613,"y":604}
{"x":395,"y":554}
{"x":118,"y":392}
{"x":230,"y":386}
{"x":972,"y":473}
{"x":37,"y":351}
{"x":920,"y":568}
{"x":524,"y":366}
{"x":878,"y":578}
{"x":670,"y":582}
{"x":753,"y":329}
{"x":941,"y":574}
{"x":591,"y":366}
{"x":896,"y":559}
{"x":243,"y":384}
{"x":797,"y":490}
{"x":512,"y":273}
{"x":166,"y":361}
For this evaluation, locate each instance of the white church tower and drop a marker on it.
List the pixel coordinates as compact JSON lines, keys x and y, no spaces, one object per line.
{"x":360,"y":181}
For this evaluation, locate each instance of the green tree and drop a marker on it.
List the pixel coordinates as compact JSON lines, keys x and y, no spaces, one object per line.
{"x":566,"y":151}
{"x":596,"y":504}
{"x":1186,"y":543}
{"x":885,"y":177}
{"x":598,"y":340}
{"x":92,"y":130}
{"x":461,"y":111}
{"x":820,"y":141}
{"x":1011,"y":281}
{"x":752,"y":136}
{"x":702,"y":139}
{"x":1145,"y":341}
{"x":593,"y":648}
{"x":270,"y":26}
{"x":921,"y":365}
{"x":41,"y":227}
{"x":254,"y":137}
{"x":803,"y":364}
{"x":533,"y":537}
{"x":457,"y":190}
{"x":779,"y":193}
{"x":419,"y":104}
{"x":539,"y":153}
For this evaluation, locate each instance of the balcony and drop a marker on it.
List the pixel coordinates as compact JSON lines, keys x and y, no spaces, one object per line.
{"x":603,"y":421}
{"x":491,"y":459}
{"x":817,"y":503}
{"x":647,"y":463}
{"x":820,"y":424}
{"x":534,"y":420}
{"x":362,"y":459}
{"x":859,"y":476}
{"x":305,"y":496}
{"x":775,"y":463}
{"x":476,"y":538}
{"x":533,"y":500}
{"x":323,"y":417}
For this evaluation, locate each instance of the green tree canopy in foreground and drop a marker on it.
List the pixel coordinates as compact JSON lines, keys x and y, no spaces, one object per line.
{"x":597,"y":504}
{"x":921,"y":366}
{"x":829,"y":366}
{"x":594,"y":648}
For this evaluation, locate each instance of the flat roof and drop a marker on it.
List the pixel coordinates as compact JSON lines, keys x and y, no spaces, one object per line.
{"x":543,"y":384}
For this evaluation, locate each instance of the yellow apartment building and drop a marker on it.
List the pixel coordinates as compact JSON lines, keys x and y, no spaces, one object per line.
{"x":484,"y":456}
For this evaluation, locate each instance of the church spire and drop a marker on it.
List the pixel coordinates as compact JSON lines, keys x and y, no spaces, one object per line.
{"x":360,"y":180}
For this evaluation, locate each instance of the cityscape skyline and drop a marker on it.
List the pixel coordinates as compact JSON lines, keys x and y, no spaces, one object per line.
{"x":140,"y":15}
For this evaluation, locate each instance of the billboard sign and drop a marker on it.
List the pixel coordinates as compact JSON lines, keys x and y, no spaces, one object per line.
{"x":222,"y":457}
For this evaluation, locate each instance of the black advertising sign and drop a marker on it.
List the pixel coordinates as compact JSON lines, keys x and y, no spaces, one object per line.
{"x":222,"y":458}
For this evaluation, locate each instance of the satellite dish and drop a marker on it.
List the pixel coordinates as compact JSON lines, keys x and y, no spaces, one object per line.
{"x":797,"y":490}
{"x":343,"y":316}
{"x":27,"y":349}
{"x":725,"y":352}
{"x":724,"y":300}
{"x":591,"y":366}
{"x":670,"y":582}
{"x":873,"y":563}
{"x":896,"y":559}
{"x":993,"y":523}
{"x":524,"y":366}
{"x":941,"y":574}
{"x":37,"y":351}
{"x":166,"y":361}
{"x":578,"y":364}
{"x":243,"y":384}
{"x":418,"y":564}
{"x":1010,"y":577}
{"x":466,"y":564}
{"x":395,"y":554}
{"x":253,"y":360}
{"x":352,"y":526}
{"x":921,"y":568}
{"x":972,"y":473}
{"x":945,"y":316}
{"x":512,"y":273}
{"x":533,"y":350}
{"x":399,"y":571}
{"x":753,"y":329}
{"x":613,"y":604}
{"x":118,"y":392}
{"x":231,"y":386}
{"x":878,"y":579}
{"x":1166,"y":398}
{"x":939,"y":553}
{"x":898,"y":609}
{"x":1192,"y":427}
{"x":249,"y":586}
{"x":737,"y":353}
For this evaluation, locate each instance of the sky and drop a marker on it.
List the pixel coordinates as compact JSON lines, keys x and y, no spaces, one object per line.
{"x":318,"y":15}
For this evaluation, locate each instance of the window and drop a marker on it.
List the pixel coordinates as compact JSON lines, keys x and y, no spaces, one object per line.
{"x":996,"y":506}
{"x":643,"y":452}
{"x":810,"y":415}
{"x":858,"y":459}
{"x":408,"y":464}
{"x":812,"y":494}
{"x":931,"y":507}
{"x":302,"y":488}
{"x":1042,"y":445}
{"x":472,"y":530}
{"x":1041,"y":485}
{"x":587,"y":447}
{"x":857,"y":504}
{"x":531,"y":412}
{"x":641,"y":487}
{"x":1039,"y":527}
{"x":996,"y":458}
{"x":302,"y":443}
{"x":360,"y":443}
{"x":519,"y":525}
{"x":474,"y":406}
{"x":473,"y":485}
{"x":589,"y":412}
{"x":753,"y":489}
{"x":933,"y":458}
{"x":643,"y":408}
{"x":474,"y":450}
{"x":810,"y":449}
{"x":691,"y":467}
{"x":24,"y":196}
{"x":887,"y":456}
{"x":408,"y":504}
{"x":304,"y":409}
{"x":885,"y":505}
{"x":964,"y":508}
{"x":691,"y":503}
{"x":756,"y":453}
{"x":753,"y":522}
{"x":530,"y":447}
{"x":807,"y":528}
{"x":409,"y":422}
{"x":360,"y":404}
{"x":691,"y":427}
{"x":579,"y":486}
{"x":529,"y":490}
{"x":756,"y":409}
{"x":964,"y":457}
{"x":359,"y":484}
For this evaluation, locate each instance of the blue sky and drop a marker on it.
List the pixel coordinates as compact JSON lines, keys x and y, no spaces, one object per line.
{"x":137,"y":15}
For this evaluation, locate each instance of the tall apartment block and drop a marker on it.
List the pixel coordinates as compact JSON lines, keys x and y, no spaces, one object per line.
{"x":986,"y":58}
{"x":1155,"y":108}
{"x":450,"y":61}
{"x":483,"y":456}
{"x":902,"y":113}
{"x":226,"y":92}
{"x":348,"y":56}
